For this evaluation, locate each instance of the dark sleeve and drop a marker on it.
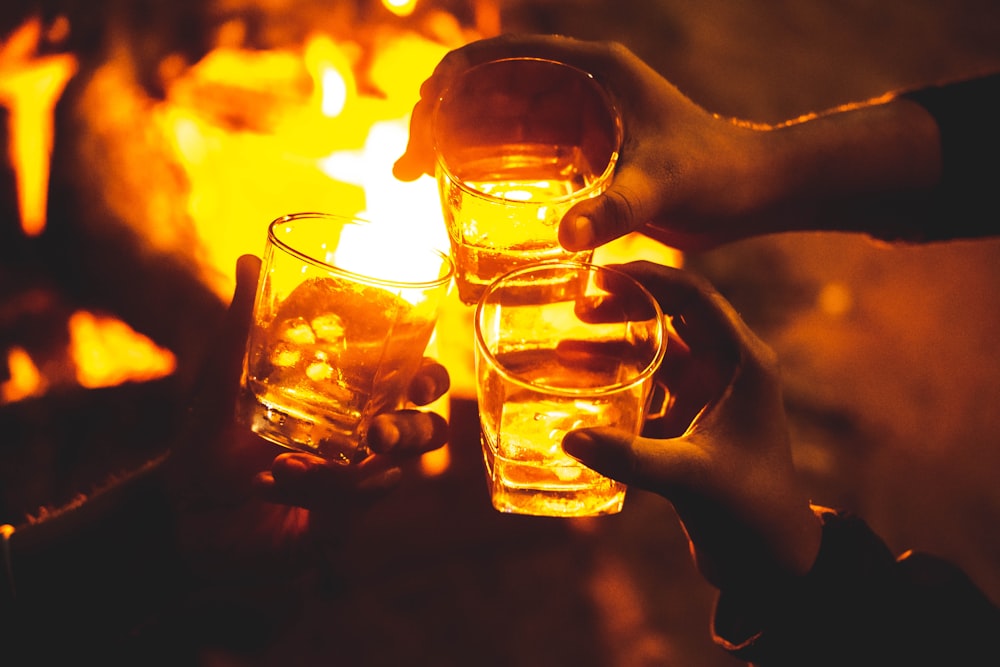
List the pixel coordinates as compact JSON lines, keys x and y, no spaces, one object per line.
{"x":966,"y":203}
{"x":862,"y":606}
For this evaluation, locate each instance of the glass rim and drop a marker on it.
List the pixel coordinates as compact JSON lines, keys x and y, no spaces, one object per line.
{"x":601,"y":90}
{"x":445,"y":274}
{"x":601,"y":390}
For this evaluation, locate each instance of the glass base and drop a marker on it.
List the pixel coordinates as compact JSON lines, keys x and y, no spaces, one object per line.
{"x":605,"y":496}
{"x":297,"y":432}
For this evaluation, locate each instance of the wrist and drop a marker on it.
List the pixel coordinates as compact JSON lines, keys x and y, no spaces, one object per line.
{"x":847,"y":169}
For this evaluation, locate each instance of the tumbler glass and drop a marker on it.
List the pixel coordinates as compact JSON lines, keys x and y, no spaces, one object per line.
{"x":343,"y":314}
{"x":518,"y":142}
{"x":561,"y":346}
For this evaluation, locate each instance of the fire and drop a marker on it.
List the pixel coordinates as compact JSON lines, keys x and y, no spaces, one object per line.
{"x":30,"y":86}
{"x":103,"y":351}
{"x":316,"y":142}
{"x":25,"y":380}
{"x":258,"y":134}
{"x":107,"y":352}
{"x":400,"y":7}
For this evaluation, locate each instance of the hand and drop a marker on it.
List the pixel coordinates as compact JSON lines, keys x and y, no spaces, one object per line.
{"x":685,"y":176}
{"x":722,"y":455}
{"x":241,"y":508}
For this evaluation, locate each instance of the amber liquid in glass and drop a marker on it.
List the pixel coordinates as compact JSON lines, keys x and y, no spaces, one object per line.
{"x":507,"y":210}
{"x":522,"y":432}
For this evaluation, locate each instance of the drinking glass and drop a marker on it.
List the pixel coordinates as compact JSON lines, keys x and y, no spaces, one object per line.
{"x":518,"y":142}
{"x":343,"y":313}
{"x":561,"y":346}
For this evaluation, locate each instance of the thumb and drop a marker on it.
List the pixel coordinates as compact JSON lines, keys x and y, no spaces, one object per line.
{"x":646,"y":463}
{"x":626,"y":206}
{"x":604,"y":449}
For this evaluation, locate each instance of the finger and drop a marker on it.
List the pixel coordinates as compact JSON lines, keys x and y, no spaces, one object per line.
{"x":219,"y":378}
{"x":430,"y":382}
{"x":620,"y":301}
{"x":418,"y":157}
{"x":407,"y":432}
{"x":698,"y":313}
{"x":308,"y":481}
{"x":621,"y":209}
{"x":652,"y":465}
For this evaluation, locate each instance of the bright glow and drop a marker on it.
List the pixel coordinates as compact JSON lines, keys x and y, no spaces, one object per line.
{"x":400,"y":7}
{"x":412,"y":209}
{"x":30,"y":86}
{"x":107,"y":352}
{"x":835,"y":299}
{"x":332,"y":75}
{"x":334,"y":93}
{"x":25,"y":380}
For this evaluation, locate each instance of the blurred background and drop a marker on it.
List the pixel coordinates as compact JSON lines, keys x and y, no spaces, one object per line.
{"x":178,"y":130}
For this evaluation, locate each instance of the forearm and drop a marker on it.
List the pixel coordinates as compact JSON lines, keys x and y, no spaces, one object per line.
{"x":860,"y":605}
{"x":862,"y":168}
{"x":916,"y":166}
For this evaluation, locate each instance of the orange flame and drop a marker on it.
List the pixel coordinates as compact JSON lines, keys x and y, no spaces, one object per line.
{"x":25,"y":380}
{"x":30,"y":86}
{"x":400,"y":7}
{"x":107,"y":352}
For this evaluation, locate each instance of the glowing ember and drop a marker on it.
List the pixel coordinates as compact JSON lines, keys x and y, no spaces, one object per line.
{"x":107,"y":352}
{"x":30,"y":86}
{"x":400,"y":7}
{"x":25,"y":380}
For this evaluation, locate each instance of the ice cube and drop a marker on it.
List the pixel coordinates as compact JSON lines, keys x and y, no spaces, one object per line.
{"x":329,"y":328}
{"x":284,"y":355}
{"x":319,"y":371}
{"x":296,"y":331}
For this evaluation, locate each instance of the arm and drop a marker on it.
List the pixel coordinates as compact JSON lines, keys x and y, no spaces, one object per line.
{"x":799,"y":584}
{"x":696,"y":180}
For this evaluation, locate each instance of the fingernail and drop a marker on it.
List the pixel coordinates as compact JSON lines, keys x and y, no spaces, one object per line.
{"x":422,"y":390}
{"x":581,"y":232}
{"x":577,"y":442}
{"x":289,"y":466}
{"x":383,"y":434}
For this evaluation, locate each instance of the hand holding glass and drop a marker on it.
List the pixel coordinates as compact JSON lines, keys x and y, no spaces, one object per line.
{"x":518,"y":142}
{"x":561,"y":346}
{"x":343,"y":314}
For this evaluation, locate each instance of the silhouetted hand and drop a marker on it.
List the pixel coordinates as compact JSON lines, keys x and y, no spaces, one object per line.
{"x":722,"y":455}
{"x":695,"y":180}
{"x":241,"y":502}
{"x":682,"y":173}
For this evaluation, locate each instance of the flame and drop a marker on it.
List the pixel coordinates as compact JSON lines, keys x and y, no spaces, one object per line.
{"x":332,"y":74}
{"x":331,"y":150}
{"x":30,"y":86}
{"x":400,"y":7}
{"x":25,"y":380}
{"x":279,"y":147}
{"x":107,"y":352}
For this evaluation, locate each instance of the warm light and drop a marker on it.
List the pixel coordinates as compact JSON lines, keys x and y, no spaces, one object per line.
{"x":334,"y":93}
{"x":400,"y":7}
{"x":435,"y":462}
{"x":413,"y":209}
{"x":835,"y":299}
{"x":30,"y":86}
{"x":107,"y":352}
{"x":25,"y":380}
{"x":332,"y":75}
